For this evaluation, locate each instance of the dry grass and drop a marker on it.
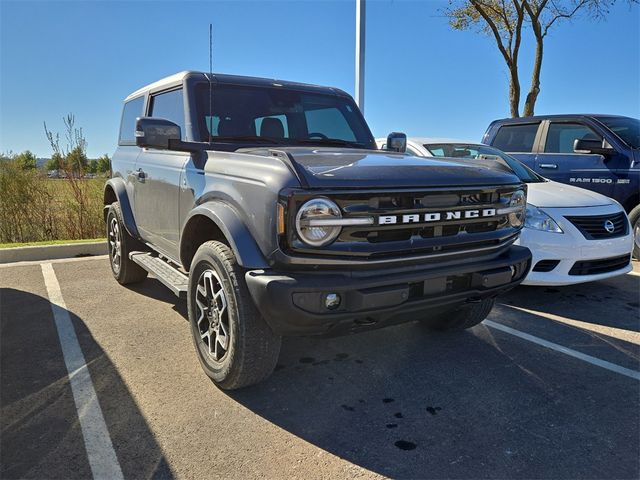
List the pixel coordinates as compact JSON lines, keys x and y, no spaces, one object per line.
{"x":34,"y":208}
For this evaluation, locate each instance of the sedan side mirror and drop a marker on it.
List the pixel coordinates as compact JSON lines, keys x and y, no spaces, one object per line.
{"x":397,"y":142}
{"x":156,"y":132}
{"x":598,"y":147}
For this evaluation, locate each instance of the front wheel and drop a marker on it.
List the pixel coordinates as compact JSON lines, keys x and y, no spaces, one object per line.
{"x":235,"y":346}
{"x":463,"y":317}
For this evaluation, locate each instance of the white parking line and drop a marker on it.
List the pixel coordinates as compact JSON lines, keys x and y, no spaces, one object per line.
{"x":634,"y":273}
{"x":56,"y":260}
{"x":102,"y":458}
{"x":567,"y":351}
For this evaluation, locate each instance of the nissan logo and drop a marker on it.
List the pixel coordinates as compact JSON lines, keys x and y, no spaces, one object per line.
{"x":609,"y":226}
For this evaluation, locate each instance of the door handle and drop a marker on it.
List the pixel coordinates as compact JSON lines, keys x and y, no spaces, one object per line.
{"x":140,"y":175}
{"x":549,"y":165}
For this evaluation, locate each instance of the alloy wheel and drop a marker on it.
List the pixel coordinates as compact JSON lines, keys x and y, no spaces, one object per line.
{"x":115,"y":244}
{"x":212,"y":315}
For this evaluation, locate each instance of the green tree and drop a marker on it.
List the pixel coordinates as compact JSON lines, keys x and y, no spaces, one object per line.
{"x":93,"y":166}
{"x":507,"y":20}
{"x":104,"y":164}
{"x":77,"y":160}
{"x":55,"y":163}
{"x":26,"y":160}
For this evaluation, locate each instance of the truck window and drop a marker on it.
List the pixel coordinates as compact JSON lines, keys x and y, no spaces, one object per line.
{"x":276,"y":126}
{"x":170,"y":106}
{"x":132,"y":110}
{"x":516,"y":138}
{"x":562,"y":135}
{"x":330,"y":122}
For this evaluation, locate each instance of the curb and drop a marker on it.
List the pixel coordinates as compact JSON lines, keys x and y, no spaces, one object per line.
{"x":51,"y":252}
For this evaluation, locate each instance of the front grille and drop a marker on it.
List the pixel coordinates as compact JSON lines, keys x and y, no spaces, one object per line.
{"x":545,"y":265}
{"x":593,"y":227}
{"x":593,"y":267}
{"x":417,"y":222}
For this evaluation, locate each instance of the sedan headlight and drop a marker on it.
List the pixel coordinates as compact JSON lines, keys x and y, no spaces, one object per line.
{"x":538,"y":220}
{"x":516,"y":206}
{"x":317,"y":222}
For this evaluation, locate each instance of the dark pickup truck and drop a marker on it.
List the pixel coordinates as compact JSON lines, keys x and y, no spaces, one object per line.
{"x":596,"y":152}
{"x":267,"y":205}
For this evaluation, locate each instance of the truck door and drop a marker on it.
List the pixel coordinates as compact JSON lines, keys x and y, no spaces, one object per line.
{"x":157,"y":188}
{"x":518,"y":140}
{"x":557,"y":160}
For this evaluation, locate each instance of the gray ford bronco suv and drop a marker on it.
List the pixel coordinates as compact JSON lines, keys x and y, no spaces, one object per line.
{"x":268,"y":206}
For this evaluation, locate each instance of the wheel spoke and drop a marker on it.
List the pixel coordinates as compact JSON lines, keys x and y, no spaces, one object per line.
{"x":220,"y":297}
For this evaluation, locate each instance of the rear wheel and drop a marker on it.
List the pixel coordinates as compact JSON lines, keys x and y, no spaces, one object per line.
{"x":120,"y":244}
{"x":235,"y":346}
{"x":463,"y":317}
{"x":634,"y":218}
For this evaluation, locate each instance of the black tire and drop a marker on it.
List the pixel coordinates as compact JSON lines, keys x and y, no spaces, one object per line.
{"x":461,"y":318}
{"x":245,"y":349}
{"x":634,"y":218}
{"x":124,"y":270}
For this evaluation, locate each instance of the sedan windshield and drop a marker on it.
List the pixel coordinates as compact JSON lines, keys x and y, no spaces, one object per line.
{"x":483,"y":152}
{"x":628,"y":129}
{"x":281,"y":116}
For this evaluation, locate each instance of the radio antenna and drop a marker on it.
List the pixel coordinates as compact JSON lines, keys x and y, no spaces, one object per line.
{"x":210,"y":123}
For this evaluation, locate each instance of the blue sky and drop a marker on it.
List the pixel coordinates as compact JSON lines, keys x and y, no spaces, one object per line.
{"x":421,"y":77}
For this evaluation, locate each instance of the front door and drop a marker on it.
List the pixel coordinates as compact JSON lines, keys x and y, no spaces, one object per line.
{"x":557,"y":160}
{"x":157,"y":181}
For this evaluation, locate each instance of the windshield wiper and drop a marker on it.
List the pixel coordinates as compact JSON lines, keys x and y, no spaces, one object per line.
{"x":327,"y":141}
{"x":246,"y":138}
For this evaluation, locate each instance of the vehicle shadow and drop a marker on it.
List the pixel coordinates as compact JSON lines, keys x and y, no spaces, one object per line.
{"x":407,"y":403}
{"x":40,"y":435}
{"x":619,"y":298}
{"x":153,"y":288}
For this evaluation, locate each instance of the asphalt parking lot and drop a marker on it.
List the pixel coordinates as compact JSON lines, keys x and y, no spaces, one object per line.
{"x":401,"y":402}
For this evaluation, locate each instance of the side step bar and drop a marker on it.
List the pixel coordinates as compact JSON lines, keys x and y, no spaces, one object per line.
{"x":170,"y":276}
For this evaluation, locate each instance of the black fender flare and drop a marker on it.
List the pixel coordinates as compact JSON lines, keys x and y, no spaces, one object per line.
{"x":240,"y":239}
{"x":118,"y":187}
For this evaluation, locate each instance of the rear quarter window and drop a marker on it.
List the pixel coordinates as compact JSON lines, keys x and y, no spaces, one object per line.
{"x":516,"y":138}
{"x":132,"y":110}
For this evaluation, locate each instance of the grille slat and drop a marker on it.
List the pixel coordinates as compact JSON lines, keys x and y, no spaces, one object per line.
{"x":593,"y":226}
{"x":605,"y":265}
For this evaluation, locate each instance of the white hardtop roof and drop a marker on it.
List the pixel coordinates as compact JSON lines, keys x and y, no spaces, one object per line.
{"x":163,"y":82}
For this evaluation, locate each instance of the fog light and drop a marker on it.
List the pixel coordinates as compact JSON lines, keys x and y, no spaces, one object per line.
{"x":332,"y":301}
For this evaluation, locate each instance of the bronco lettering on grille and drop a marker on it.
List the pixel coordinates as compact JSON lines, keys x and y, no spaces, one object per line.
{"x":435,"y":216}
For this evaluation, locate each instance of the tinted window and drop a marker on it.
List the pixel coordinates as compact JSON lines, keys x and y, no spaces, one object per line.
{"x":562,"y":135}
{"x":628,"y":129}
{"x":483,"y":152}
{"x":132,"y":110}
{"x":329,"y":122}
{"x":516,"y":138}
{"x":169,"y":106}
{"x":281,"y":116}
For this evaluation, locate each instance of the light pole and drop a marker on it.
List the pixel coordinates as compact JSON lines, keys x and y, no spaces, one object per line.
{"x":360,"y":43}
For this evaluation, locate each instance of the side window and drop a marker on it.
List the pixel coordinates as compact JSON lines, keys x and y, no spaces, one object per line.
{"x":132,"y":110}
{"x":516,"y":138}
{"x":169,"y":106}
{"x":329,"y":122}
{"x":562,"y":135}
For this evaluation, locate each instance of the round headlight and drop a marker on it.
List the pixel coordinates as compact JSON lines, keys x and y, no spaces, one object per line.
{"x":313,"y":222}
{"x":518,"y":200}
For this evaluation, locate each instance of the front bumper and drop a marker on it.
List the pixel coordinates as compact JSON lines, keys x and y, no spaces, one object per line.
{"x":293,"y":302}
{"x":571,"y":247}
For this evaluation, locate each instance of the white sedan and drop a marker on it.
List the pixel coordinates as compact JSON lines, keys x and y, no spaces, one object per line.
{"x":574,"y":235}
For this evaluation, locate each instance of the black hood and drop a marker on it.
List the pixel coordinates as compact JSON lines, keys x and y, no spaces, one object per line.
{"x":349,"y":168}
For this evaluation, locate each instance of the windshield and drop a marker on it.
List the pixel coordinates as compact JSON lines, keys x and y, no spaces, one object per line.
{"x":281,"y":116}
{"x":483,"y":152}
{"x":628,"y":129}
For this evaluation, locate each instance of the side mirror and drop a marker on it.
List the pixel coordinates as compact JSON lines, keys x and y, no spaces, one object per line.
{"x":156,"y":132}
{"x":598,"y":147}
{"x":397,"y":142}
